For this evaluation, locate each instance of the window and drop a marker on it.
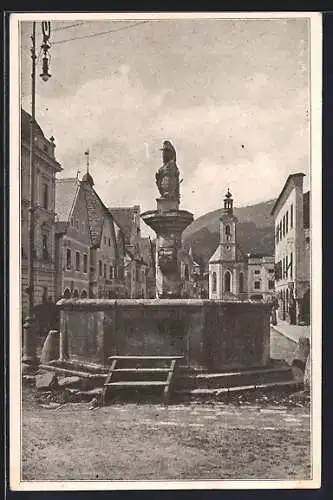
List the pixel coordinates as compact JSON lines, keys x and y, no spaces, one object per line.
{"x":271,"y":270}
{"x":241,"y":282}
{"x":104,"y":240}
{"x":287,"y":219}
{"x":227,"y":281}
{"x":280,"y":230}
{"x":84,"y":294}
{"x":104,"y":270}
{"x":227,"y":230}
{"x":45,"y":252}
{"x":85,"y":263}
{"x":227,"y":248}
{"x":291,"y":265}
{"x":214,"y":282}
{"x":286,"y":267}
{"x":83,"y":227}
{"x":77,"y":224}
{"x":138,"y":231}
{"x":100,"y":268}
{"x":270,"y":284}
{"x":109,"y":242}
{"x":257,"y":271}
{"x":257,"y":285}
{"x":72,"y":221}
{"x":77,"y":261}
{"x":111,"y":272}
{"x":68,"y":258}
{"x":283,"y":225}
{"x":291,"y":215}
{"x":115,"y":272}
{"x":45,"y":196}
{"x":277,"y":234}
{"x":67,"y":294}
{"x":75,"y":294}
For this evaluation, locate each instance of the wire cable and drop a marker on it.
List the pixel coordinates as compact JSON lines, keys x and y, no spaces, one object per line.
{"x":100,"y":33}
{"x":70,"y":26}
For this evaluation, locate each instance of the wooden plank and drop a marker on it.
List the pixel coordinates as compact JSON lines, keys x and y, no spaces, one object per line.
{"x":168,"y":382}
{"x":153,"y":358}
{"x":136,"y":383}
{"x":143,"y":370}
{"x":108,"y":378}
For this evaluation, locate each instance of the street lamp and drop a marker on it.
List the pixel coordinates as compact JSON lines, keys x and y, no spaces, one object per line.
{"x":29,"y":340}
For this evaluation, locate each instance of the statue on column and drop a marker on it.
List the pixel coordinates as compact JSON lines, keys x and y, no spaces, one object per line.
{"x":167,"y":176}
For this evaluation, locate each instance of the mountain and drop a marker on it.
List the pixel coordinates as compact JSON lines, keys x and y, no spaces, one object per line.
{"x":255,"y":231}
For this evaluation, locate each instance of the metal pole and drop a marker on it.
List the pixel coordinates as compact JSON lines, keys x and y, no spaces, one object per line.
{"x":29,"y":342}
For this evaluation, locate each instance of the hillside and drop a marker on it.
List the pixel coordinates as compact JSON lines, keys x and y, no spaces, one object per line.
{"x":255,"y":231}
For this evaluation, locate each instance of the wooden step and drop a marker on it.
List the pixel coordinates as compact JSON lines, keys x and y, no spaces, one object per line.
{"x":151,"y":358}
{"x":142,"y":370}
{"x":221,"y":390}
{"x":136,"y":383}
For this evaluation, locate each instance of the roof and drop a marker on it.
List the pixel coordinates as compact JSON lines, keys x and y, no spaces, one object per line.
{"x":97,"y":211}
{"x":124,"y":218}
{"x":289,"y":179}
{"x":218,"y":255}
{"x":26,"y":124}
{"x":65,"y":196}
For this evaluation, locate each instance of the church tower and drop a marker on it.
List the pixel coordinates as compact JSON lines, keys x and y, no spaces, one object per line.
{"x":227,"y":268}
{"x":228,"y":223}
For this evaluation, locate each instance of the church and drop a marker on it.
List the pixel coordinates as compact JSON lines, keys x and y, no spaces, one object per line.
{"x":234,"y":275}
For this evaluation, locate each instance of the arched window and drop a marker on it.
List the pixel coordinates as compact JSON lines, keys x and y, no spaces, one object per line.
{"x":67,"y":294}
{"x":186,"y":272}
{"x":75,"y":294}
{"x":227,"y":230}
{"x":214,"y":282}
{"x":227,"y":281}
{"x":241,"y":283}
{"x":84,"y":294}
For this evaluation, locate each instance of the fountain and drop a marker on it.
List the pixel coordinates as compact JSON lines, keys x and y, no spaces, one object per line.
{"x":230,"y":340}
{"x":168,"y":222}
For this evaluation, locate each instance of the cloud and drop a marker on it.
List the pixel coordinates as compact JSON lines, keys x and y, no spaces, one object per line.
{"x":249,"y":144}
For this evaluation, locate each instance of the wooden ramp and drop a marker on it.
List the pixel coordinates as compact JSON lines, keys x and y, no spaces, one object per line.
{"x":140,"y":373}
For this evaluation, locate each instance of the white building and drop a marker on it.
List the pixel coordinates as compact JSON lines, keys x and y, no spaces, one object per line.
{"x":234,"y":275}
{"x":292,"y":251}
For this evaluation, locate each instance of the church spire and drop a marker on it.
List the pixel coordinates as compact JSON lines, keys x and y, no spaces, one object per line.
{"x":87,"y":177}
{"x":228,"y":203}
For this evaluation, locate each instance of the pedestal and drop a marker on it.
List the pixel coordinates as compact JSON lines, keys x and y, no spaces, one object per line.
{"x":168,"y":222}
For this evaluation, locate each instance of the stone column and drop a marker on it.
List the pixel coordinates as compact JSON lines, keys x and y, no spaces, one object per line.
{"x":168,"y":222}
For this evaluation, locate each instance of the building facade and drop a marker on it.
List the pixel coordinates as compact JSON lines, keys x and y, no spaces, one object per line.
{"x":72,"y":253}
{"x":261,"y":284}
{"x":138,"y":264}
{"x":291,"y":214}
{"x":106,"y":267}
{"x":45,"y":167}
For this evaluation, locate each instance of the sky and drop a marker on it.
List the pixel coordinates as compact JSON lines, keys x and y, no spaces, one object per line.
{"x":231,"y":95}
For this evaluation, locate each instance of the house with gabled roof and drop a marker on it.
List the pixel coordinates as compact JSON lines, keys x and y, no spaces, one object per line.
{"x":107,"y":248}
{"x":72,"y":249}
